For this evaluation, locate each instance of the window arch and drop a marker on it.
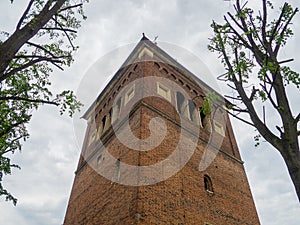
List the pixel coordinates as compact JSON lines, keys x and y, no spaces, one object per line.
{"x":180,"y":102}
{"x":205,"y":120}
{"x":106,"y":122}
{"x":208,"y":186}
{"x":192,"y":110}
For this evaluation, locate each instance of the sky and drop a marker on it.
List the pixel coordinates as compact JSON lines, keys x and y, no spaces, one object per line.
{"x":49,"y":158}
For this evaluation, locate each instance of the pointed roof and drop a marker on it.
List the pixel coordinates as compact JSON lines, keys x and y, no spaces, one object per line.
{"x":145,"y":46}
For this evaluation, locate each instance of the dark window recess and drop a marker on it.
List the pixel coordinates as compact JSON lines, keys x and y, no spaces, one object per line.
{"x":202,"y":117}
{"x":180,"y":101}
{"x":103,"y":121}
{"x":192,"y":109}
{"x":111,"y":112}
{"x":208,"y":184}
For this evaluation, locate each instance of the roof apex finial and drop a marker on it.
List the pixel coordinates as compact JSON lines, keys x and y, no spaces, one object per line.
{"x":144,"y":37}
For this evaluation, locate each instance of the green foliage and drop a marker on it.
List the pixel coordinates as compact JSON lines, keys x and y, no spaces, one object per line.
{"x":208,"y":103}
{"x":290,"y":76}
{"x":24,"y":81}
{"x":251,"y":43}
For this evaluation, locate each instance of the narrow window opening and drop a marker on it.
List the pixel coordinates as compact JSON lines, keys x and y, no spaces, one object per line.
{"x":106,"y":122}
{"x":100,"y":128}
{"x":205,"y":121}
{"x":164,"y":71}
{"x":192,"y":110}
{"x":123,"y":82}
{"x":103,"y":122}
{"x":180,"y":102}
{"x":208,"y":184}
{"x":180,"y":82}
{"x":110,"y":112}
{"x":157,"y":65}
{"x":202,"y":117}
{"x":111,"y":115}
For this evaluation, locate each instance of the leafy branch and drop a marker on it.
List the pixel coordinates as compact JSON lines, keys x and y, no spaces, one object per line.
{"x":43,"y":39}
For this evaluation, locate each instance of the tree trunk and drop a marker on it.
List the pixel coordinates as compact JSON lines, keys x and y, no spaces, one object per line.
{"x":291,"y":156}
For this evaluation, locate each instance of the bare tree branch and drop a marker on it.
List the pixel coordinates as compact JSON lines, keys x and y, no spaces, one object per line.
{"x":63,"y":29}
{"x":272,"y":37}
{"x":268,"y":92}
{"x":234,"y":98}
{"x":70,"y":7}
{"x":28,"y":100}
{"x":241,"y":119}
{"x":24,"y":14}
{"x":266,"y":43}
{"x":24,"y":66}
{"x":237,"y":33}
{"x":11,"y":149}
{"x":286,"y":61}
{"x":253,"y":93}
{"x":59,"y":29}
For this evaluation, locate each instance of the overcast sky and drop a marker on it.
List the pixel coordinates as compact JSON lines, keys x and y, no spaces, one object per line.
{"x":49,"y":158}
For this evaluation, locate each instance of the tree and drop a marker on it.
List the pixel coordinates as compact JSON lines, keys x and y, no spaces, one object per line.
{"x":42,"y":40}
{"x":249,"y":45}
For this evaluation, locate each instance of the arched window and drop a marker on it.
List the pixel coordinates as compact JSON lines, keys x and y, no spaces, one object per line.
{"x":205,"y":121}
{"x":106,"y":122}
{"x":110,"y":113}
{"x":103,"y":124}
{"x":208,"y":184}
{"x":180,"y":102}
{"x":100,"y":128}
{"x":192,"y":110}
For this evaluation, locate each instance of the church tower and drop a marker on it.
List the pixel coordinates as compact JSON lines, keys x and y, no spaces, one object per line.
{"x":159,"y":149}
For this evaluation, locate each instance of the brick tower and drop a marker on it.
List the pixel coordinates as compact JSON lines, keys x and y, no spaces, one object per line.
{"x":117,"y":184}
